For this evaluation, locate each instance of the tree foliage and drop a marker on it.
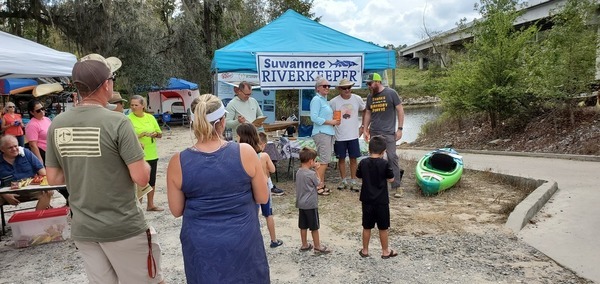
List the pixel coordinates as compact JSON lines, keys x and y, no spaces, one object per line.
{"x":508,"y":72}
{"x":563,"y":63}
{"x":155,"y":39}
{"x":488,"y":79}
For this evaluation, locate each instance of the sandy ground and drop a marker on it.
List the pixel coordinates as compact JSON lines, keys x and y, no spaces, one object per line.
{"x":457,"y":236}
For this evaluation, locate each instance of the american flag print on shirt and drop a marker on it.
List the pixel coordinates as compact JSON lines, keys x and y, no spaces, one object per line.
{"x":78,"y":141}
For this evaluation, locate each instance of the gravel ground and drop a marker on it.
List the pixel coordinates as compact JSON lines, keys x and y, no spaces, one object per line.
{"x":456,"y":237}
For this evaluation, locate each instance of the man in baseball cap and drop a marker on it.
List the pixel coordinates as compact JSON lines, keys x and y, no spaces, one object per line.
{"x":92,"y":71}
{"x":374,"y":77}
{"x":97,"y":154}
{"x":384,"y":109}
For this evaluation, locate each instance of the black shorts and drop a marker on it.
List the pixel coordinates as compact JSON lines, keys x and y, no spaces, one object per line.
{"x":352,"y":147}
{"x":153,"y":166}
{"x":376,"y":213}
{"x":308,"y":219}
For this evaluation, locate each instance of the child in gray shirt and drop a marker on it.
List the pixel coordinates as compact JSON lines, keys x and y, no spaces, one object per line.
{"x":307,"y":202}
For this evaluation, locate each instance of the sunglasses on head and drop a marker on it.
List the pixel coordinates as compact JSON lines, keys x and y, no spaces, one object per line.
{"x":326,"y":86}
{"x":39,"y":110}
{"x":345,"y":88}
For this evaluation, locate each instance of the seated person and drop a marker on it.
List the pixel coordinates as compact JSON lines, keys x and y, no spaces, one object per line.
{"x":16,"y":166}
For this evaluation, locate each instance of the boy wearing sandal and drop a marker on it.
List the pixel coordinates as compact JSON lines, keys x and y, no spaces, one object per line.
{"x":307,"y":201}
{"x":375,"y":173}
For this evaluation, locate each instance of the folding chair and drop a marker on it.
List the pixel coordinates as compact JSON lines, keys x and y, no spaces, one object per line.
{"x":166,"y":118}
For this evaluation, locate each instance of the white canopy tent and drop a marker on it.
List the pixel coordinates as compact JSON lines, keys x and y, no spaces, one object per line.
{"x":22,"y":58}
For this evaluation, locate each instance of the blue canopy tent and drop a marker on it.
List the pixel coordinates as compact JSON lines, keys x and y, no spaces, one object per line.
{"x":176,"y":84}
{"x":292,"y":35}
{"x":180,"y":84}
{"x":292,"y":32}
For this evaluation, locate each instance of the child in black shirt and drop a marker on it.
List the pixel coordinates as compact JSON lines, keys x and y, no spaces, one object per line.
{"x":375,"y":173}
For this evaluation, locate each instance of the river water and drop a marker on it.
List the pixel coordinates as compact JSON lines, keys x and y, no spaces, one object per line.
{"x":414,"y":118}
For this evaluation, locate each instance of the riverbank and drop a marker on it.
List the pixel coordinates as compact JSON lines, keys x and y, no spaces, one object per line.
{"x":421,"y":101}
{"x":548,"y":133}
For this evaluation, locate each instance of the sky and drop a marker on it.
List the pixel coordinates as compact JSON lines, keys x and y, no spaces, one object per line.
{"x":394,"y":22}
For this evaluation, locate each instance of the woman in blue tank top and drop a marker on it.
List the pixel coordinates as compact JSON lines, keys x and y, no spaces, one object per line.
{"x":216,"y":185}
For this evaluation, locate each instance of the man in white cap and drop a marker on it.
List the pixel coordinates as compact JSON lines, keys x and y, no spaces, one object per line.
{"x":384,"y":106}
{"x":346,"y":134}
{"x":95,"y":152}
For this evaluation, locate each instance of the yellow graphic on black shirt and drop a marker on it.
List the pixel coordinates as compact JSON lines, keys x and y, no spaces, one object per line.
{"x":379,"y":104}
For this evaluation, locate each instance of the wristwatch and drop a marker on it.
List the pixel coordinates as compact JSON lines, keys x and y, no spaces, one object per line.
{"x":400,"y":128}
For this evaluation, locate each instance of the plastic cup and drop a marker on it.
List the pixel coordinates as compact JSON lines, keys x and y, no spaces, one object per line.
{"x":337,"y":115}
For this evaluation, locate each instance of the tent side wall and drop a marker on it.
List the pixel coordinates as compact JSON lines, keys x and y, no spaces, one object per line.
{"x":157,"y":103}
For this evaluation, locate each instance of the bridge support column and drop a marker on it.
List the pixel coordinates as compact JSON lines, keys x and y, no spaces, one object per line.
{"x":421,"y":57}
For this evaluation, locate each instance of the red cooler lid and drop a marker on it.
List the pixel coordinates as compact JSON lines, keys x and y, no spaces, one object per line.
{"x":34,"y":215}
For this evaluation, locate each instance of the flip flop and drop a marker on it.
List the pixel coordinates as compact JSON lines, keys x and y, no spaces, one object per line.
{"x":322,"y":191}
{"x":322,"y":250}
{"x":155,"y":209}
{"x":392,"y":254}
{"x":362,"y":254}
{"x":309,"y":247}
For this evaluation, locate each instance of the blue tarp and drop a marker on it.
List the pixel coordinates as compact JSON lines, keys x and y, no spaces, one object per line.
{"x":8,"y":85}
{"x":293,"y":32}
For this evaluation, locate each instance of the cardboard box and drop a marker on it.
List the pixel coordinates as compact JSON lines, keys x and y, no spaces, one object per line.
{"x":39,"y":227}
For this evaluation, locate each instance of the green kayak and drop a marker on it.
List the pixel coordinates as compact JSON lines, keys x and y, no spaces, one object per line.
{"x":439,"y":170}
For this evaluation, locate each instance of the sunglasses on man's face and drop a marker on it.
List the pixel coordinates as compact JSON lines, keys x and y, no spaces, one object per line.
{"x":345,"y":88}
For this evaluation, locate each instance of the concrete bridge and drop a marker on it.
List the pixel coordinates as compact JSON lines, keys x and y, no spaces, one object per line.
{"x":453,"y":39}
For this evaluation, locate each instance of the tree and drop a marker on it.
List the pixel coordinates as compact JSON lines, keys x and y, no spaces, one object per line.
{"x":564,"y":64}
{"x":278,"y":7}
{"x":155,"y":39}
{"x":487,"y":77}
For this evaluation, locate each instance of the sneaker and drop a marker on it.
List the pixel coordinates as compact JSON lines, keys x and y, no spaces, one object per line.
{"x":399,"y":192}
{"x":355,"y":186}
{"x":277,"y":191}
{"x":343,"y":184}
{"x":276,"y":243}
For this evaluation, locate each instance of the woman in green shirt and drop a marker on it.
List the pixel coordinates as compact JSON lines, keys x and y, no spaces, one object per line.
{"x":147,"y":130}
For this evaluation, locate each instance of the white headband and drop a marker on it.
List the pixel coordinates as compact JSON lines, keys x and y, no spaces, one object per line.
{"x":220,"y":112}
